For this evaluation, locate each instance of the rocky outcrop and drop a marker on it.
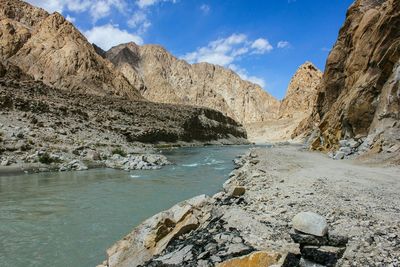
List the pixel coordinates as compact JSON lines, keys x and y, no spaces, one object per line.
{"x":301,"y":93}
{"x":360,"y":92}
{"x":163,"y":78}
{"x":50,"y":49}
{"x":297,"y":105}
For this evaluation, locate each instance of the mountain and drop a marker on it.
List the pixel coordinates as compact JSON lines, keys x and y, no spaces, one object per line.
{"x":359,"y":96}
{"x":163,"y":78}
{"x":297,"y":105}
{"x":49,"y":48}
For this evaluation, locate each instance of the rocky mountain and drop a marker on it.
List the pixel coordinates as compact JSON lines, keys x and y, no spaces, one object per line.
{"x":49,"y":48}
{"x":359,"y":97}
{"x":301,"y":93}
{"x":163,"y":78}
{"x":297,"y":105}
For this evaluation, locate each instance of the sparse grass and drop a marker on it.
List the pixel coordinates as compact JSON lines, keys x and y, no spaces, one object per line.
{"x":119,"y":151}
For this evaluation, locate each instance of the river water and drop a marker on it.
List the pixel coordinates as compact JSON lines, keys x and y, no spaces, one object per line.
{"x":70,"y":219}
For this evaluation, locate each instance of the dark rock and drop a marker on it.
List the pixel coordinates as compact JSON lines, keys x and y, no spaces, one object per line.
{"x":324,"y":255}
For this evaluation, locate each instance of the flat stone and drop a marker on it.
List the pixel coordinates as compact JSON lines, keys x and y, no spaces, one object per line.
{"x":305,"y":239}
{"x":255,"y":259}
{"x":310,"y":223}
{"x":177,"y":257}
{"x":325,"y":255}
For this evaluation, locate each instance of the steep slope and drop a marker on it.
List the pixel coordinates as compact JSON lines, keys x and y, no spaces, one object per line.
{"x":297,"y":105}
{"x":360,"y":92}
{"x":301,"y":93}
{"x":163,"y":78}
{"x":51,"y":49}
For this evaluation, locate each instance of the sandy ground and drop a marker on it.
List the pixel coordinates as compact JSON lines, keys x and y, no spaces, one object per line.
{"x":357,"y":200}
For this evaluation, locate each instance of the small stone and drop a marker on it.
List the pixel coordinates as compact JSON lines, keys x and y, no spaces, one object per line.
{"x":346,"y":150}
{"x":310,"y":223}
{"x":237,"y":191}
{"x":343,"y":143}
{"x":339,"y":155}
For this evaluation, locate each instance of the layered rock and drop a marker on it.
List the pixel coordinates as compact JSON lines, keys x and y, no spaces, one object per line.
{"x":163,"y":78}
{"x":360,"y":92}
{"x":49,"y":48}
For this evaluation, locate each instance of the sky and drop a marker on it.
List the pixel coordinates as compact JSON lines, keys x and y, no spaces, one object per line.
{"x":264,"y":41}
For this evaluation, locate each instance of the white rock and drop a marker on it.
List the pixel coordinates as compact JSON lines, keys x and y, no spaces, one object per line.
{"x":310,"y":223}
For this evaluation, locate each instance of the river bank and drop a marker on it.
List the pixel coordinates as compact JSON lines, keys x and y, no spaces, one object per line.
{"x":255,"y":211}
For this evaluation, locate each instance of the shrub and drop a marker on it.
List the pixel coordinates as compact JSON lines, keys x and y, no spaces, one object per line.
{"x":45,"y":158}
{"x":119,"y":151}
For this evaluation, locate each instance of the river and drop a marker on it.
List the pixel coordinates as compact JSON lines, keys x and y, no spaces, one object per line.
{"x":71,"y":218}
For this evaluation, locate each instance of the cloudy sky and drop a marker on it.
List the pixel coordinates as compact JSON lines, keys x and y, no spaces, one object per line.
{"x":264,"y":41}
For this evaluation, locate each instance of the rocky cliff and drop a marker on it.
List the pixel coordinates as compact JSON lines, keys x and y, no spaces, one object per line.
{"x":163,"y":78}
{"x":297,"y":105}
{"x":301,"y":93}
{"x":359,"y":96}
{"x":51,"y":49}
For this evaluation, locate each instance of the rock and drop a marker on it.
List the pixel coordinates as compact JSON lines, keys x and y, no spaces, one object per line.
{"x":310,"y":223}
{"x":236,"y":191}
{"x":256,"y":259}
{"x":306,"y":239}
{"x":339,"y":155}
{"x":325,"y":255}
{"x":93,"y":155}
{"x":74,"y":165}
{"x":327,"y":240}
{"x":177,"y":257}
{"x":307,"y":263}
{"x":343,"y":143}
{"x":346,"y":150}
{"x":353,"y":144}
{"x":153,"y":235}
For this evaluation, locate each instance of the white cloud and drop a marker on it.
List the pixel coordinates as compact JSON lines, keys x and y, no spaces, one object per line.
{"x":140,"y":21}
{"x":226,"y":51}
{"x":283,"y":44}
{"x":205,"y":9}
{"x":70,"y":19}
{"x":148,"y":3}
{"x":97,"y":8}
{"x":261,"y":46}
{"x":107,"y":36}
{"x":245,"y":76}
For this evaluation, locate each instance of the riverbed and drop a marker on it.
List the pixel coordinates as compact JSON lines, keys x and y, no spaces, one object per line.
{"x":70,"y":219}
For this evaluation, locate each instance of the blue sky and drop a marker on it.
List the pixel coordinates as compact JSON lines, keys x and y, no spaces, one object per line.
{"x":264,"y":41}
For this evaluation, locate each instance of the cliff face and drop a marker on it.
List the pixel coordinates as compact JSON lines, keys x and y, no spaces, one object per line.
{"x":301,"y":93}
{"x":297,"y":105}
{"x":51,"y":49}
{"x":163,"y":78}
{"x":360,"y":92}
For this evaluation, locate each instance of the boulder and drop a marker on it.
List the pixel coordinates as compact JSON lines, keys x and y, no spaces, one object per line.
{"x":153,"y":235}
{"x":310,"y":223}
{"x":339,"y":155}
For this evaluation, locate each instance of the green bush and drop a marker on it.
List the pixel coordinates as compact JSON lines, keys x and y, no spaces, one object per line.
{"x":119,"y":151}
{"x":46,"y":159}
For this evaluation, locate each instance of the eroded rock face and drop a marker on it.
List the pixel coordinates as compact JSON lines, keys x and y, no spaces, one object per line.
{"x":301,"y":93}
{"x":163,"y":78}
{"x":49,"y":48}
{"x":360,"y":91}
